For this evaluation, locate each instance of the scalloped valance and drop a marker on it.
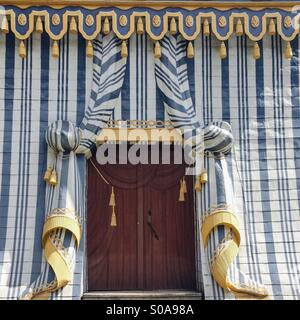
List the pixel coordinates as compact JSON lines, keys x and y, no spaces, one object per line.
{"x":190,"y":22}
{"x":190,"y":19}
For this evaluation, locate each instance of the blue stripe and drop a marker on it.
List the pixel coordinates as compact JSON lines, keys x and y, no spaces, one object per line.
{"x":225,"y":86}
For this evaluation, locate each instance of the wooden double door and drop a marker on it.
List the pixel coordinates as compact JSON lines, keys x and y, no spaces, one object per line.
{"x":152,"y":247}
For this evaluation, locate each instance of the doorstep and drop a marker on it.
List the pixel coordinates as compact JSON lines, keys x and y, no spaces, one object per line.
{"x":143,"y":295}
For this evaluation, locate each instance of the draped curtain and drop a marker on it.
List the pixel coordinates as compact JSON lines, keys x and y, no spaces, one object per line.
{"x":64,"y":204}
{"x":218,"y":214}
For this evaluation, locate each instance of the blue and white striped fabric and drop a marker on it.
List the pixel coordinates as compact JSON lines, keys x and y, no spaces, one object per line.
{"x":171,"y":72}
{"x":33,"y":93}
{"x":63,"y":139}
{"x":261,"y":103}
{"x":108,"y":75}
{"x":172,"y":78}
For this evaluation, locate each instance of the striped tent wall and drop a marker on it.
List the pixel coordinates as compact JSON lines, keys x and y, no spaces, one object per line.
{"x":33,"y":93}
{"x":260,"y":99}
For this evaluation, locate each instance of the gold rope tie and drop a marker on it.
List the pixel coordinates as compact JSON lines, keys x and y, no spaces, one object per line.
{"x":112,"y":199}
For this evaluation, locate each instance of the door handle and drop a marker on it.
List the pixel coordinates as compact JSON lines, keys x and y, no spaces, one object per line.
{"x":149,"y":222}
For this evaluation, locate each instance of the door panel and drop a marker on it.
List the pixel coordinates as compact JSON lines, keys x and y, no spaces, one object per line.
{"x":169,"y":261}
{"x":129,"y":256}
{"x":112,"y":252}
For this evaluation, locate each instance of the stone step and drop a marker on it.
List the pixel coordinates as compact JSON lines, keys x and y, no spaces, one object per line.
{"x":143,"y":295}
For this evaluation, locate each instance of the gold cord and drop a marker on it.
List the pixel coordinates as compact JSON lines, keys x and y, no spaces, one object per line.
{"x":100,"y":174}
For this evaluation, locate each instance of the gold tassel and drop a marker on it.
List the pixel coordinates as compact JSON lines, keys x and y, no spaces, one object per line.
{"x":39,"y":25}
{"x":256,"y":51}
{"x":22,"y":50}
{"x":206,"y":31}
{"x":181,"y":192}
{"x":53,"y":178}
{"x":55,"y":50}
{"x":239,"y":28}
{"x":288,"y":52}
{"x":113,"y":222}
{"x":184,"y":185}
{"x":197,"y":185}
{"x":47,"y":174}
{"x":73,"y":25}
{"x":140,"y":26}
{"x":112,"y":200}
{"x":124,"y":50}
{"x":106,"y":26}
{"x":4,"y":25}
{"x":173,"y":26}
{"x":157,"y":50}
{"x":89,"y":49}
{"x":190,"y":50}
{"x":272,"y":28}
{"x":203,"y":177}
{"x":223,"y":50}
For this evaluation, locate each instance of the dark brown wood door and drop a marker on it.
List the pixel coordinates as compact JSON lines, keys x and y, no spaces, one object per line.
{"x":152,"y":246}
